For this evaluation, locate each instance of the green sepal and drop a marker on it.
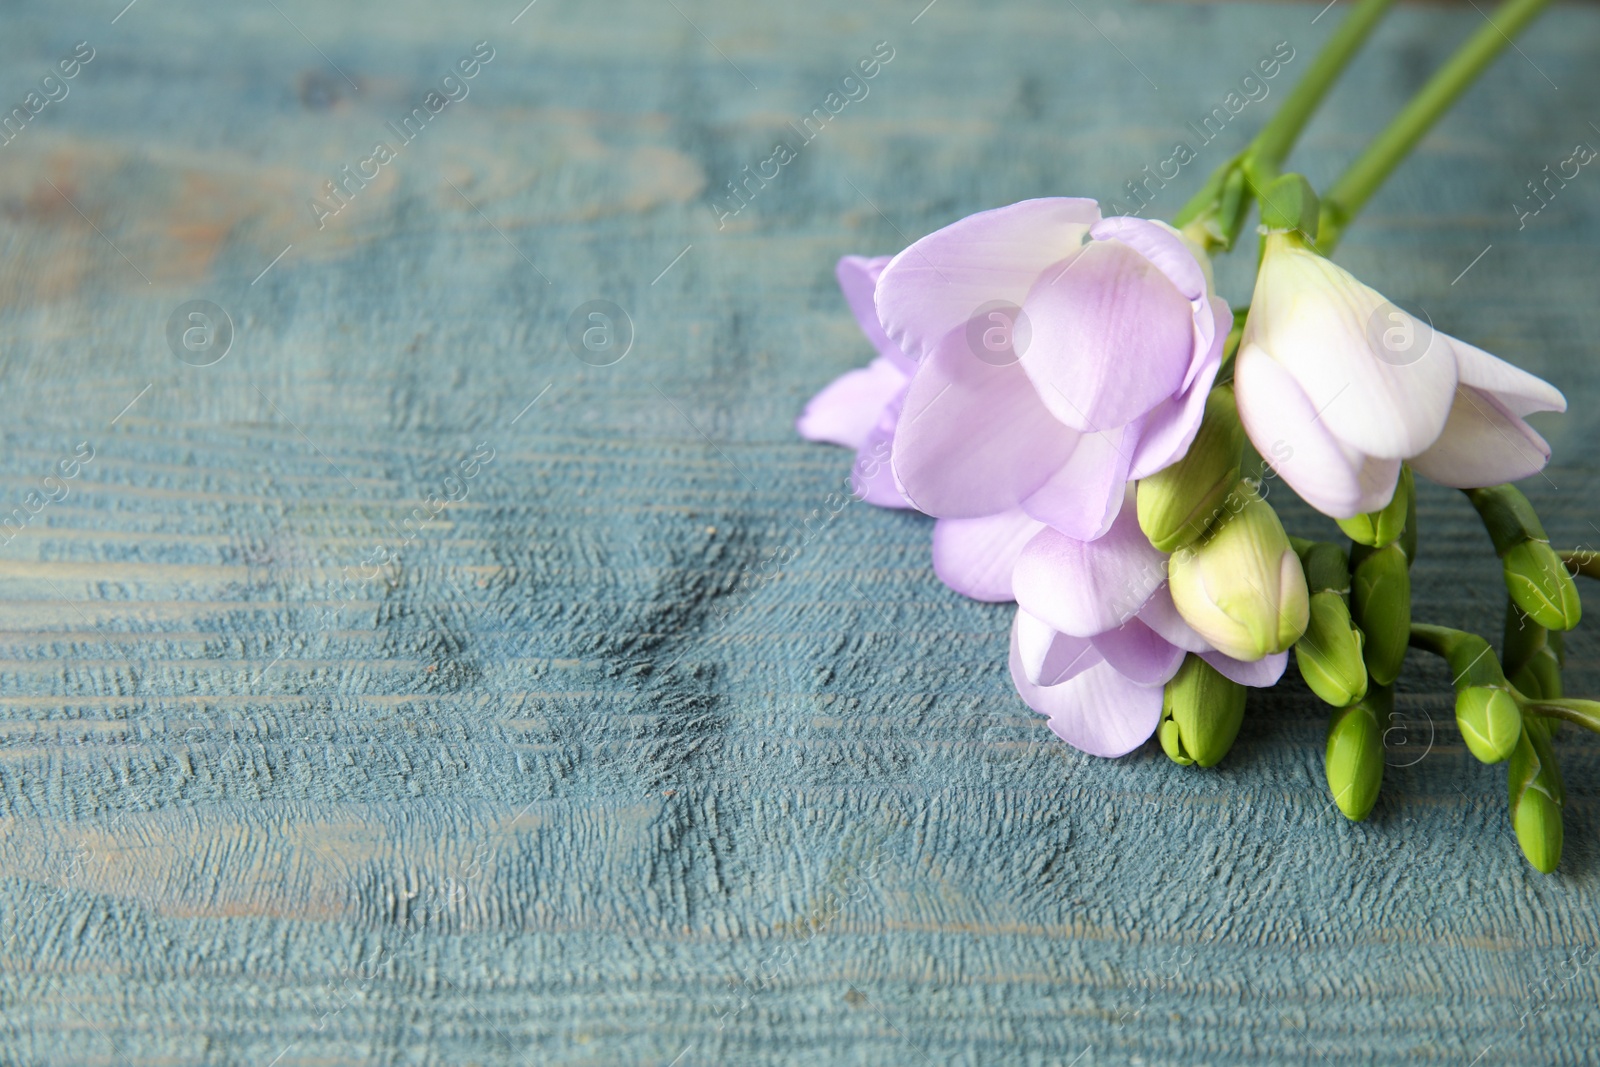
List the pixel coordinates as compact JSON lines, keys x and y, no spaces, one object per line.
{"x":1290,"y":203}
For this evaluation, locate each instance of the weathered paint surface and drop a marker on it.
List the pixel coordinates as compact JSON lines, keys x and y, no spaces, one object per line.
{"x":633,"y":753}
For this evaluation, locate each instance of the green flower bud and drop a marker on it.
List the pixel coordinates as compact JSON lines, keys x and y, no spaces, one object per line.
{"x":1178,"y":504}
{"x":1487,"y":711}
{"x":1354,"y":758}
{"x":1172,"y":743}
{"x":1329,"y":653}
{"x":1535,"y":791}
{"x":1201,"y":711}
{"x":1533,"y":655}
{"x":1380,"y":603}
{"x":1536,"y":577}
{"x":1490,"y":721}
{"x":1242,"y":588}
{"x":1539,"y":583}
{"x":1378,"y":528}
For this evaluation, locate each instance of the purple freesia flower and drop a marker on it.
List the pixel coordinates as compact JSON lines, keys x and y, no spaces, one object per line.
{"x":1096,"y":637}
{"x":861,"y":408}
{"x":1100,"y":378}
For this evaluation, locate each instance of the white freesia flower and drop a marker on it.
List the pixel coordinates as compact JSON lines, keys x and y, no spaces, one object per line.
{"x":1337,"y":387}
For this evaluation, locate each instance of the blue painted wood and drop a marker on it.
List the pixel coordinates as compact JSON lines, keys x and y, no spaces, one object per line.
{"x":298,"y":768}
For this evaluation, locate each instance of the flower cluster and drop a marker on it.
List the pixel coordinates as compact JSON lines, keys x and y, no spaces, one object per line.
{"x":1070,"y":399}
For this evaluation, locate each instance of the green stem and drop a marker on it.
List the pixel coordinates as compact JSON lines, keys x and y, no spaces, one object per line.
{"x":1265,"y":154}
{"x":1271,"y":146}
{"x":1585,"y":713}
{"x":1351,"y":191}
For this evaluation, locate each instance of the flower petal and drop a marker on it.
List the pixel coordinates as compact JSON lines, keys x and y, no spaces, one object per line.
{"x":858,"y":280}
{"x":1169,"y":430}
{"x":973,"y":438}
{"x":1049,"y":657}
{"x":1087,"y":587}
{"x":1161,"y":615}
{"x":975,"y":557}
{"x":1161,"y":245}
{"x":847,"y":409}
{"x":1324,"y":327}
{"x":872,"y":476}
{"x":1285,"y":428}
{"x":1482,"y":444}
{"x":1258,"y":674}
{"x":1097,"y":710}
{"x":935,"y":285}
{"x":1139,"y":653}
{"x":1519,"y":392}
{"x":1111,"y":337}
{"x":1084,"y":495}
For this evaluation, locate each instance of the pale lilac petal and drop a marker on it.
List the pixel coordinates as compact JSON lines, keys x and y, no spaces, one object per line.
{"x":1519,"y":392}
{"x":1084,"y":495}
{"x":1139,"y":653}
{"x":847,"y":409}
{"x":1111,"y":338}
{"x":1087,"y":587}
{"x":1097,"y":710}
{"x":1170,"y":428}
{"x":973,"y":438}
{"x":1285,"y":428}
{"x":1482,"y":444}
{"x":1047,"y":656}
{"x":1258,"y":674}
{"x":937,"y":284}
{"x":858,"y":280}
{"x":1161,"y":246}
{"x":1161,"y":615}
{"x":1327,"y":329}
{"x":872,"y":476}
{"x":975,"y":557}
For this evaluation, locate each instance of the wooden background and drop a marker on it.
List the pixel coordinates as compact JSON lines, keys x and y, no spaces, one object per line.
{"x":614,"y":760}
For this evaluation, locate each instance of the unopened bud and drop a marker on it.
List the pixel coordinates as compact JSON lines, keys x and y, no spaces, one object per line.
{"x":1242,"y":587}
{"x":1201,"y":713}
{"x":1487,"y":711}
{"x":1378,"y":528}
{"x":1536,"y":577}
{"x":1354,"y":756}
{"x":1536,"y":792}
{"x":1489,"y":720}
{"x":1178,"y":504}
{"x":1329,"y":653}
{"x":1541,"y":586}
{"x":1380,"y":603}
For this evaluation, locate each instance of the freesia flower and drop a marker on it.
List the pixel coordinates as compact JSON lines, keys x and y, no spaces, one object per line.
{"x":1059,"y":356}
{"x":1096,"y":637}
{"x":861,"y":408}
{"x":1337,"y":387}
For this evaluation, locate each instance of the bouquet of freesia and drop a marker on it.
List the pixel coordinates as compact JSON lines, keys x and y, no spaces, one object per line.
{"x":1070,"y":398}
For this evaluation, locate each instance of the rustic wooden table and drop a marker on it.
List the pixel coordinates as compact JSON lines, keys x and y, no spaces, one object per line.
{"x":395,"y":680}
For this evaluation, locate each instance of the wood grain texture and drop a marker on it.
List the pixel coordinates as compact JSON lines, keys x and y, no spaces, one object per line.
{"x":571,"y":774}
